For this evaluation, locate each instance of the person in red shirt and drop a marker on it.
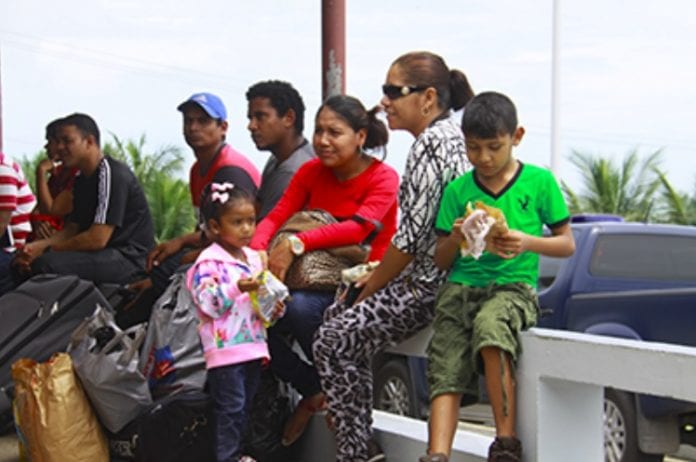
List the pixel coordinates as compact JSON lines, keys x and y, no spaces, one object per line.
{"x":54,"y":184}
{"x":16,"y":203}
{"x":348,"y":183}
{"x":205,"y":130}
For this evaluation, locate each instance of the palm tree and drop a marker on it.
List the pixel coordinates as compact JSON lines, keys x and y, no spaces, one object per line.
{"x":676,"y":207}
{"x":167,"y":159}
{"x":628,"y":190}
{"x":167,"y":196}
{"x":170,"y":207}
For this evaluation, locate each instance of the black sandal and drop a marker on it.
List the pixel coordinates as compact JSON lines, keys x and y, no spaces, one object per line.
{"x":505,"y":449}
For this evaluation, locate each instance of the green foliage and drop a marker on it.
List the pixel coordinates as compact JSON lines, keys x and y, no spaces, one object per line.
{"x":170,"y":205}
{"x":168,"y":197}
{"x":676,"y":207}
{"x":29,"y":165}
{"x":628,"y":189}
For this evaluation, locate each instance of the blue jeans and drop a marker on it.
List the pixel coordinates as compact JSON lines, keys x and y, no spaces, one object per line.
{"x":303,"y":316}
{"x":232,"y":389}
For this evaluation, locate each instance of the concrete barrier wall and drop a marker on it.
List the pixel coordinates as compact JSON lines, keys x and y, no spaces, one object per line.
{"x":561,"y":377}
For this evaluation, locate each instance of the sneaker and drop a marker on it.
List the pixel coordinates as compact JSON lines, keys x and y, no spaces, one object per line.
{"x":505,"y":449}
{"x":438,"y":457}
{"x":247,"y":459}
{"x":374,"y":451}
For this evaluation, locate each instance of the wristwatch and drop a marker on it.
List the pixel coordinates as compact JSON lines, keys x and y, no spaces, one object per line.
{"x":296,"y":245}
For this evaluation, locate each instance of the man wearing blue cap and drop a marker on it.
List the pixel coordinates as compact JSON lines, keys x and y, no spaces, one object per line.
{"x":205,"y":127}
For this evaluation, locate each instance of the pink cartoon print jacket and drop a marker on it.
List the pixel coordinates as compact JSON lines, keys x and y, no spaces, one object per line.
{"x":230,"y":331}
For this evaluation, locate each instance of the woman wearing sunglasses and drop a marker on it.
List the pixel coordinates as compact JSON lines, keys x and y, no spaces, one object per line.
{"x":398,"y":299}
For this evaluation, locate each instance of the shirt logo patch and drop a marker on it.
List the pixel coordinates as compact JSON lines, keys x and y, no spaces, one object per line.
{"x":524,"y":203}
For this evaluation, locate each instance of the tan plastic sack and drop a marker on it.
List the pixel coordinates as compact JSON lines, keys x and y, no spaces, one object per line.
{"x":54,"y":414}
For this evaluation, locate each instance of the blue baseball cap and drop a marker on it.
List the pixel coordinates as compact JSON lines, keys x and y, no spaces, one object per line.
{"x":210,"y":103}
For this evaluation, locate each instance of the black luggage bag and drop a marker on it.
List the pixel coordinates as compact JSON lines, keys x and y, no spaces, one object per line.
{"x":36,"y":320}
{"x":178,"y":428}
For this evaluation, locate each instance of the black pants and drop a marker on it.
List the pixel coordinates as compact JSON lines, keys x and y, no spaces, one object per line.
{"x":7,"y":281}
{"x":106,"y":265}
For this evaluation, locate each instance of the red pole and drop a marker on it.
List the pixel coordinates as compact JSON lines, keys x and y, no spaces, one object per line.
{"x":333,"y":53}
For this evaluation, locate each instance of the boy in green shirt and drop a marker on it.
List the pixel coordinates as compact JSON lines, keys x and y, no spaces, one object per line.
{"x":487,"y":301}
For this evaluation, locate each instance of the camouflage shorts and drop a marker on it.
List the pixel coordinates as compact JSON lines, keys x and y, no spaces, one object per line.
{"x":468,"y":319}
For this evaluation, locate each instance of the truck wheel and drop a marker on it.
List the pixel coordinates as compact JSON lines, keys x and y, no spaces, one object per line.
{"x":620,"y":433}
{"x":393,"y":391}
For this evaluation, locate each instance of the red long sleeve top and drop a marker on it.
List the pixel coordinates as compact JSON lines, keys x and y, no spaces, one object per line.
{"x":370,"y":195}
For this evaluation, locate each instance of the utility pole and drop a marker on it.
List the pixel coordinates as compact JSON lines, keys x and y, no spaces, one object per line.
{"x":556,"y":87}
{"x":333,"y":47}
{"x":0,"y":100}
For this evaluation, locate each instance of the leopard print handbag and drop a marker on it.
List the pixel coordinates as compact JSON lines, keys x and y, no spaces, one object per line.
{"x":318,"y":269}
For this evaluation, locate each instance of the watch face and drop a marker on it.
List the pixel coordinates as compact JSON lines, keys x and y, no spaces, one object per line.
{"x":296,"y":245}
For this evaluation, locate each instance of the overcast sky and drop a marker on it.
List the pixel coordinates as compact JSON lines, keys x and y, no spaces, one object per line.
{"x":628,"y":72}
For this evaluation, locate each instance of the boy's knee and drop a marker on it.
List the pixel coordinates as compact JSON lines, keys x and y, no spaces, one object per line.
{"x":486,"y":326}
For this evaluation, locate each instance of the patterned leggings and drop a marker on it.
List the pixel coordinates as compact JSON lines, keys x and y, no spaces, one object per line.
{"x":344,"y":346}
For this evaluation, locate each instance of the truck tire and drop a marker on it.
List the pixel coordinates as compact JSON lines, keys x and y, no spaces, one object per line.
{"x":393,"y":389}
{"x":620,"y":433}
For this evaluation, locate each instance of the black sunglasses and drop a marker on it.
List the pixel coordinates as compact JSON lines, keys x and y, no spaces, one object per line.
{"x":396,"y":92}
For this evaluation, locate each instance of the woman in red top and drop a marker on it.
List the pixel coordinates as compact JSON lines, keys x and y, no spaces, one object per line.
{"x":346,"y":182}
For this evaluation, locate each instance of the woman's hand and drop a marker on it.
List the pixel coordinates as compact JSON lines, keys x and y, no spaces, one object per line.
{"x":280,"y":259}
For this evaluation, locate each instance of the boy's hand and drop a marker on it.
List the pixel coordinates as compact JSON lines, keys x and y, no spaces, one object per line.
{"x":508,"y":245}
{"x":456,"y":233}
{"x":248,"y":284}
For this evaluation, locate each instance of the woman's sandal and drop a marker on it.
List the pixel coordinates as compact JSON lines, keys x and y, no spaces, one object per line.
{"x":296,"y":424}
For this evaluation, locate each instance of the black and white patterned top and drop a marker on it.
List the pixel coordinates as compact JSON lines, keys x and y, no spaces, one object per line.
{"x":436,"y":157}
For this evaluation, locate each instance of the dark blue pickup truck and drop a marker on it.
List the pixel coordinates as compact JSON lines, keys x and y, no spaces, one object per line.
{"x":628,"y":280}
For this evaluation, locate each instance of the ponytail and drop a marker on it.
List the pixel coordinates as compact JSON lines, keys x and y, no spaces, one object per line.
{"x":460,"y":89}
{"x":377,"y":134}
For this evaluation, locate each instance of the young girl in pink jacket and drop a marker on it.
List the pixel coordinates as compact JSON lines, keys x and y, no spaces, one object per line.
{"x":233,"y":336}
